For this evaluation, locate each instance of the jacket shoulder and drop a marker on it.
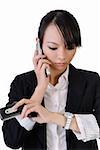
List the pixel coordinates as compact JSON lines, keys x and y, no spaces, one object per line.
{"x":27,"y":78}
{"x":27,"y":75}
{"x":84,"y":73}
{"x":89,"y":74}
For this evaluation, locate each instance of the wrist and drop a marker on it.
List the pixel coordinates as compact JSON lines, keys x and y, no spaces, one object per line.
{"x":74,"y":125}
{"x":58,"y":119}
{"x":69,"y":117}
{"x":38,"y":94}
{"x":41,"y":87}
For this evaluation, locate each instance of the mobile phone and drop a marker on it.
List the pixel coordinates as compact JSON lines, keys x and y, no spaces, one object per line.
{"x":8,"y":112}
{"x":40,"y":51}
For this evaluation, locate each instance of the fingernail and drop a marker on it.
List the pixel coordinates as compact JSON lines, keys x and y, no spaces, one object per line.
{"x":33,"y":118}
{"x":21,"y":116}
{"x":14,"y":107}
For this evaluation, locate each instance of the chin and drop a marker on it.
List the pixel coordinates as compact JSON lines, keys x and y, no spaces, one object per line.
{"x":60,"y":69}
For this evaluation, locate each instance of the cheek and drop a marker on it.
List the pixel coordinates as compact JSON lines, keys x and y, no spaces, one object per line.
{"x":50,"y":56}
{"x":69,"y":57}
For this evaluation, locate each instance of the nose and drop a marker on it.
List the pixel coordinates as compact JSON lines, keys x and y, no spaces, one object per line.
{"x":61,"y":54}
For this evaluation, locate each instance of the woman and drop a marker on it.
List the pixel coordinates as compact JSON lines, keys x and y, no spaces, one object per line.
{"x":67,"y":101}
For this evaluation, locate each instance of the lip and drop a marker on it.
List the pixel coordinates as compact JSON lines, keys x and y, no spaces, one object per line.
{"x":60,"y":64}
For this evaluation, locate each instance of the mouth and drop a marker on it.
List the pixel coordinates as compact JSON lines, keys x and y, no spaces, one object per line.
{"x":60,"y":64}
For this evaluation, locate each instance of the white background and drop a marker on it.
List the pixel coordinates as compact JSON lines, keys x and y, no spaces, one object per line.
{"x":19,"y":21}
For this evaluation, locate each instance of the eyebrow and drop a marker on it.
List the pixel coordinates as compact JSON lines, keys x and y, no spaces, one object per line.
{"x":52,"y":42}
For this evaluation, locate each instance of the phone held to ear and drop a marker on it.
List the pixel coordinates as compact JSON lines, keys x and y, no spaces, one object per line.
{"x":40,"y":51}
{"x":8,"y":112}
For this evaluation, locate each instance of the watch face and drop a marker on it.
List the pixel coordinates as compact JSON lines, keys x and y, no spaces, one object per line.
{"x":68,"y":114}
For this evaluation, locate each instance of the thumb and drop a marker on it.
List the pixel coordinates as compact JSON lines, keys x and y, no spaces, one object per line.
{"x":34,"y":119}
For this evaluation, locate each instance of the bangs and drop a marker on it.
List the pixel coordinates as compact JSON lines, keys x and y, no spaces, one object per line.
{"x":70,"y":32}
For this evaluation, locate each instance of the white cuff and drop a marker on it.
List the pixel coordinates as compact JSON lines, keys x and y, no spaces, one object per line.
{"x":27,"y":123}
{"x":89,"y":129}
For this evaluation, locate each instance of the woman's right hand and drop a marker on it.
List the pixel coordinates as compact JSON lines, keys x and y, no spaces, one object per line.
{"x":40,"y":64}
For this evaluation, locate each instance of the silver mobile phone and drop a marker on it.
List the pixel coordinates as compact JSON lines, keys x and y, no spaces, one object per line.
{"x":40,"y":51}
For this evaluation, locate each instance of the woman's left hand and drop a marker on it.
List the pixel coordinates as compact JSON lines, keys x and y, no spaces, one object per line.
{"x":44,"y":116}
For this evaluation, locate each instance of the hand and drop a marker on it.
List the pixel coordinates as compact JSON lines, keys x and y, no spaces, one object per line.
{"x":29,"y":106}
{"x":44,"y":116}
{"x":40,"y":64}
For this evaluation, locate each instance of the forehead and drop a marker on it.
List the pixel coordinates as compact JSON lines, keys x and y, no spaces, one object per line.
{"x":52,"y":33}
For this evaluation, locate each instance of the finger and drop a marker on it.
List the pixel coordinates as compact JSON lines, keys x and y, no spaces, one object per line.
{"x":27,"y":107}
{"x":36,"y":59}
{"x":43,"y":61}
{"x":32,"y":109}
{"x":34,"y":119}
{"x":24,"y":111}
{"x":45,"y":66}
{"x":38,"y":119}
{"x":36,"y":54}
{"x":20,"y":103}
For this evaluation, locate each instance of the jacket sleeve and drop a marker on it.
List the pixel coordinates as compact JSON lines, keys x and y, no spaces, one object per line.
{"x":90,"y":124}
{"x":13,"y":132}
{"x":97,"y":100}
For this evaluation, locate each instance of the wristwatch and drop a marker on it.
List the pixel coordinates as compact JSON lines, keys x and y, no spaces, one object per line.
{"x":69,"y":117}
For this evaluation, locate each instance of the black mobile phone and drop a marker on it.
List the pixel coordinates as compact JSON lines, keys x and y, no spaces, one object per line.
{"x":8,"y":112}
{"x":40,"y":51}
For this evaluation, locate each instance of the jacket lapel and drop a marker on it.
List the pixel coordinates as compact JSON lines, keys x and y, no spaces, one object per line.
{"x":76,"y":89}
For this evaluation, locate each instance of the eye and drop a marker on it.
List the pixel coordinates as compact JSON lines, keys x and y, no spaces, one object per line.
{"x":52,"y":48}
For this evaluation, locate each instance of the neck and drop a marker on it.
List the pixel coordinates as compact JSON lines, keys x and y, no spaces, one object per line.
{"x":54,"y":77}
{"x":53,"y":80}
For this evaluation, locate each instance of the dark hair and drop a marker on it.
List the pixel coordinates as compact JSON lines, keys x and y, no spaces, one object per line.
{"x":67,"y":24}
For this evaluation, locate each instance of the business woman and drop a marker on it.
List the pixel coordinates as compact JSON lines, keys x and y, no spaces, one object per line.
{"x":66,"y":99}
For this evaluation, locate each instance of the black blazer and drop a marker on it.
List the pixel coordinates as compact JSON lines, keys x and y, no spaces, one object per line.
{"x":83,"y":98}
